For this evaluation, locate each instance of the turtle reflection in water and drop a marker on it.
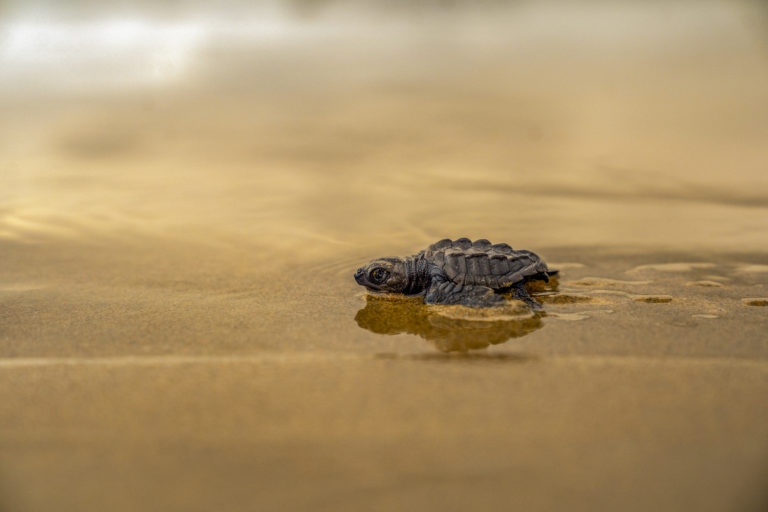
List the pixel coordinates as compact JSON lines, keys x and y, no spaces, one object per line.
{"x":450,"y":328}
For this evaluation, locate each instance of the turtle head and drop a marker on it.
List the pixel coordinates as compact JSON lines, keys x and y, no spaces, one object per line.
{"x":386,"y":275}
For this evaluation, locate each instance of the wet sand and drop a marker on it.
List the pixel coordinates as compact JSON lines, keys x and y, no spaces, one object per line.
{"x":179,"y":326}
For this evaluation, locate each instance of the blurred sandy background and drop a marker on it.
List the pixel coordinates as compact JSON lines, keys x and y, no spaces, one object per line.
{"x":185,"y":191}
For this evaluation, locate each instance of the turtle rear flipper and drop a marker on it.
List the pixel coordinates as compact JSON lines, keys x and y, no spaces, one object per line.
{"x":520,"y":293}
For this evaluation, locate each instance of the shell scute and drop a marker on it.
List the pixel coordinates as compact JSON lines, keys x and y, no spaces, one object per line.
{"x":445,"y":243}
{"x":483,"y":265}
{"x":502,"y":248}
{"x":462,"y":243}
{"x":473,"y":264}
{"x":438,"y":257}
{"x":455,"y":266}
{"x":499,"y":265}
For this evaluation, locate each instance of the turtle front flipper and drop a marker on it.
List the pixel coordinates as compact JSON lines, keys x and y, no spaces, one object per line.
{"x":473,"y":296}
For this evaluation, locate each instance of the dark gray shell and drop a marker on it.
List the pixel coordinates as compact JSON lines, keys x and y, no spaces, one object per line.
{"x":480,"y":263}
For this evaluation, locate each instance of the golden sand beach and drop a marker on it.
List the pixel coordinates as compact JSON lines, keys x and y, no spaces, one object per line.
{"x":186,"y":193}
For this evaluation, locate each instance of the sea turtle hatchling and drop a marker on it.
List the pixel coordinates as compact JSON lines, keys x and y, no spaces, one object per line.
{"x":473,"y":274}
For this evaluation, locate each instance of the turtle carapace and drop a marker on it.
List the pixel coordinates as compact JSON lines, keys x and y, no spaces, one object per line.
{"x":473,"y":274}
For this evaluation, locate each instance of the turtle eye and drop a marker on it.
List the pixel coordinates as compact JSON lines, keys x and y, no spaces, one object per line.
{"x":378,"y":275}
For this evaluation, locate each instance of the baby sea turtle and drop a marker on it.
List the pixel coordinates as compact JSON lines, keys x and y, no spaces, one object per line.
{"x":473,"y":274}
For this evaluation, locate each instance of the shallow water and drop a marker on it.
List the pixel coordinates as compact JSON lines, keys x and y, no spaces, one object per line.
{"x":186,"y":195}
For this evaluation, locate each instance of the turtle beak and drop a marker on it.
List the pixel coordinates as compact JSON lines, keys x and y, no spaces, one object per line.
{"x":359,"y":275}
